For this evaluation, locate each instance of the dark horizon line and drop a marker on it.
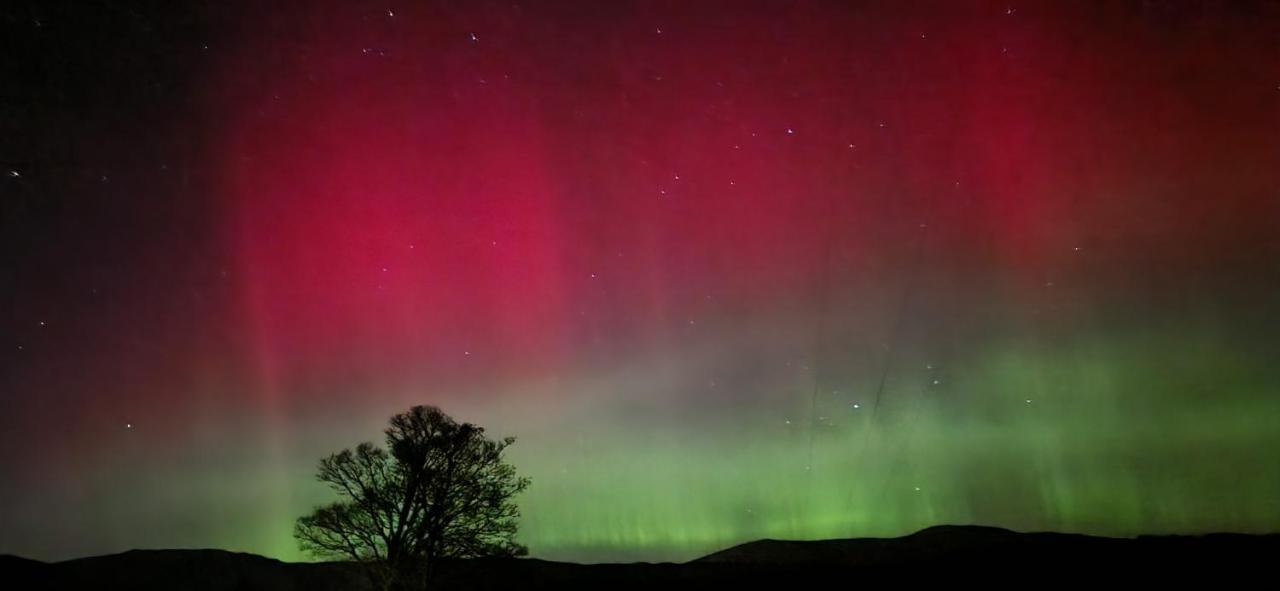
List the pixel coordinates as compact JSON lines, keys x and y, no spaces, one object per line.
{"x":923,"y":532}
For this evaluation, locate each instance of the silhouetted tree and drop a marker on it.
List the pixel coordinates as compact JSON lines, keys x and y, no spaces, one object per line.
{"x":439,"y":490}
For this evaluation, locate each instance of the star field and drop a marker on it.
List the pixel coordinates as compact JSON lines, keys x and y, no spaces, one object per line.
{"x":727,"y":270}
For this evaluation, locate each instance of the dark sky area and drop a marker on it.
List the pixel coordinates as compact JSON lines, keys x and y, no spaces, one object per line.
{"x":728,"y":270}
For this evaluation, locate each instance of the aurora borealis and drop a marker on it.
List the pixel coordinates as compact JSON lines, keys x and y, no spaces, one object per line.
{"x":727,"y":270}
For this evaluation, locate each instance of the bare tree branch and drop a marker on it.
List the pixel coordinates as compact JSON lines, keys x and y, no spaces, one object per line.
{"x":440,"y":489}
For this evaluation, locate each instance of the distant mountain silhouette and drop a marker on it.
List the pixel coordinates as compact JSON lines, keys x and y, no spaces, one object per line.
{"x":970,"y":545}
{"x":23,"y":569}
{"x":186,"y":569}
{"x":941,"y":543}
{"x":995,"y":554}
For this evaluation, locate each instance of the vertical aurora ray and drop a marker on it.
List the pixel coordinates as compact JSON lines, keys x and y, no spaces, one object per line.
{"x":1065,"y":440}
{"x":566,"y":248}
{"x":677,"y":250}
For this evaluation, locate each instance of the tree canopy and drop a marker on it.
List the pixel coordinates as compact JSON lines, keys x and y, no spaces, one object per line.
{"x":440,"y":489}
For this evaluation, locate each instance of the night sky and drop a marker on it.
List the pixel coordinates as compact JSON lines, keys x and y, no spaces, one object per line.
{"x":727,"y":270}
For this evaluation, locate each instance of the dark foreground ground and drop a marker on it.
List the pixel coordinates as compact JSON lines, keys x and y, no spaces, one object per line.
{"x":987,"y":556}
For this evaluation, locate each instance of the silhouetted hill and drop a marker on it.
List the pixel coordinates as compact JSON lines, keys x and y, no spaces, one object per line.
{"x":193,"y":569}
{"x":22,"y":568}
{"x":941,"y":543}
{"x":991,"y":554}
{"x":953,"y":545}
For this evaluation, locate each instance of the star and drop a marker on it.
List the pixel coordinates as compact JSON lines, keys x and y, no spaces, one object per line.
{"x":791,"y":131}
{"x":856,"y":406}
{"x":14,"y":174}
{"x":128,"y":425}
{"x":473,"y":37}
